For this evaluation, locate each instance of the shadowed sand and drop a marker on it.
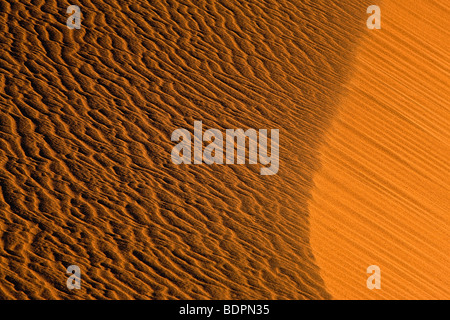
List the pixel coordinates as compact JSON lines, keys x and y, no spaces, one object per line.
{"x":85,"y":125}
{"x":382,"y":196}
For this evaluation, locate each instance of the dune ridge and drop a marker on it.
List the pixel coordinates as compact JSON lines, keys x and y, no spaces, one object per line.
{"x":382,"y":195}
{"x":85,"y":124}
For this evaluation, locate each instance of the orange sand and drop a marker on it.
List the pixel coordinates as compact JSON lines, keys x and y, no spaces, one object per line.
{"x":85,"y":125}
{"x":382,"y":196}
{"x":86,"y":176}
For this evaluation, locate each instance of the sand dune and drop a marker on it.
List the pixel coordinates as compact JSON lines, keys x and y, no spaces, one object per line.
{"x":85,"y":124}
{"x":382,"y":195}
{"x":86,"y":118}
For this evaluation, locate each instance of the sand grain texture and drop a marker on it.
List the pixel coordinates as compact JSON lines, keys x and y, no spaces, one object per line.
{"x":85,"y":124}
{"x":382,"y":195}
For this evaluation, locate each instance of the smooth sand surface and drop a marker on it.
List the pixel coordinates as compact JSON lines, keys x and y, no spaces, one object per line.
{"x":85,"y":125}
{"x":382,"y":195}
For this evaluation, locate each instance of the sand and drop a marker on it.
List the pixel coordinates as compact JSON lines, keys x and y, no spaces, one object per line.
{"x":86,"y":176}
{"x":85,"y":127}
{"x":381,"y":196}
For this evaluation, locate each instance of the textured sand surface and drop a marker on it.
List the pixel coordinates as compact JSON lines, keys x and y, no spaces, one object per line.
{"x":85,"y":124}
{"x":382,"y":195}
